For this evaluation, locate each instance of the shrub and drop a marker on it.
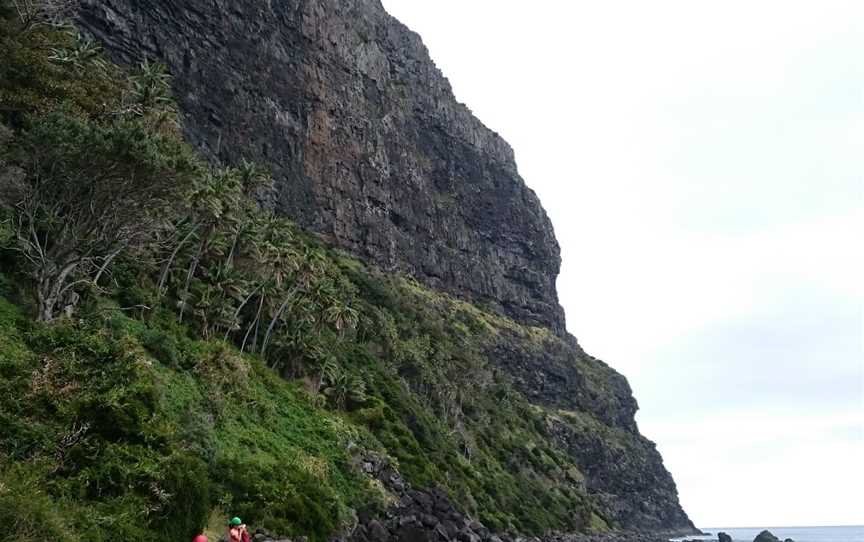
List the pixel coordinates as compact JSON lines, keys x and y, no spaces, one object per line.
{"x":27,"y":513}
{"x":184,"y":496}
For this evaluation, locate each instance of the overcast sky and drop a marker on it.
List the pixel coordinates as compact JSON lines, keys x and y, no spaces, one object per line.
{"x":702,"y":163}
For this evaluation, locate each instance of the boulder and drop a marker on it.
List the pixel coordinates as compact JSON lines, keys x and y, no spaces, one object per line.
{"x":723,"y":537}
{"x":766,"y":536}
{"x":376,"y":532}
{"x":413,"y":533}
{"x":467,"y":535}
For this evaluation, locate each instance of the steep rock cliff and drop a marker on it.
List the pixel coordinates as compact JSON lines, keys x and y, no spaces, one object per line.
{"x":589,"y":412}
{"x":366,"y":141}
{"x":370,"y":149}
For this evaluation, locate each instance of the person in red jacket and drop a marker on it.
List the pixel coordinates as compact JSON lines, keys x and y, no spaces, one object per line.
{"x":200,"y":538}
{"x":237,"y":531}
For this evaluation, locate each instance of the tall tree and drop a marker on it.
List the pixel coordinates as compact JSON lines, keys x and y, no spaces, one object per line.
{"x":89,"y":192}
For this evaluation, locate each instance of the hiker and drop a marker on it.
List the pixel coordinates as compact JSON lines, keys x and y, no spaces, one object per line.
{"x":200,"y":538}
{"x":237,"y":531}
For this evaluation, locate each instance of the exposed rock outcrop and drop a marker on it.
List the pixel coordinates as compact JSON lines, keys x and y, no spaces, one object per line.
{"x":624,"y":471}
{"x":382,"y":535}
{"x":555,"y":372}
{"x":591,"y":413}
{"x":430,"y":516}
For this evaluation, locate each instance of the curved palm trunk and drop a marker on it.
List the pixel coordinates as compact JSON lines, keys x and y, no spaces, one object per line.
{"x":273,"y":323}
{"x":240,"y":308}
{"x":254,"y":324}
{"x":166,"y":268}
{"x":193,"y":266}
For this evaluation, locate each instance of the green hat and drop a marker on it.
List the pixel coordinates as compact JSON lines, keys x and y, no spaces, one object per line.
{"x":235,"y":521}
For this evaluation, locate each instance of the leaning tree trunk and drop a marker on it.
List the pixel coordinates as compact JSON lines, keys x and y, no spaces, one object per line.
{"x":46,"y":302}
{"x":49,"y":290}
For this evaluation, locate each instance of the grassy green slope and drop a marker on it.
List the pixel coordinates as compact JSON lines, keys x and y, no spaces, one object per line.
{"x":117,"y":444}
{"x":132,"y":427}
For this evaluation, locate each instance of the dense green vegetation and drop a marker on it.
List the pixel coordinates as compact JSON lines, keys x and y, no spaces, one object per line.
{"x":171,"y":354}
{"x":116,"y":444}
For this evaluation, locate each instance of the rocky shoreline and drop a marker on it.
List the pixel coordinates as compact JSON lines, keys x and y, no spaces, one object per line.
{"x":764,"y":536}
{"x":263,"y":536}
{"x":475,"y":532}
{"x":428,"y":515}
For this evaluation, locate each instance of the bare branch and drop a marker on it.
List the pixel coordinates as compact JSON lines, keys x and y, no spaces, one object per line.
{"x":34,"y":13}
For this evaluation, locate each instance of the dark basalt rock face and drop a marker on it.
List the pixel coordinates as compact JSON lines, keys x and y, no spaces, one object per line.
{"x":367,"y":144}
{"x":555,"y":372}
{"x":625,"y":473}
{"x":591,"y":416}
{"x":430,"y":516}
{"x":370,"y":149}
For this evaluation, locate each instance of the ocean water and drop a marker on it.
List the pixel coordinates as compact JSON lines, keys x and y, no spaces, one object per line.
{"x":852,"y":533}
